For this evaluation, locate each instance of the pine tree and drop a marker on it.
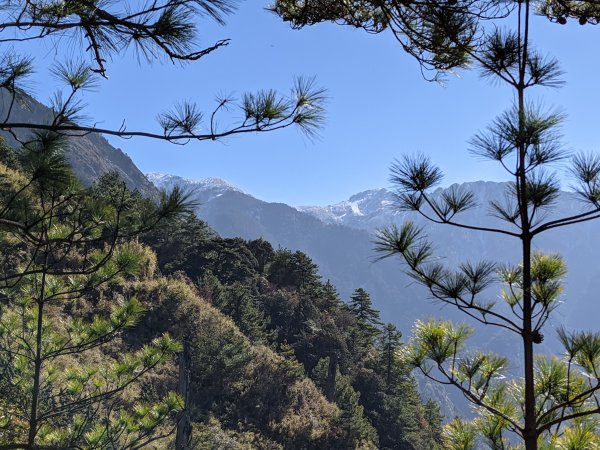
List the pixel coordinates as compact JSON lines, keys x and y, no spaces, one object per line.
{"x":293,"y":269}
{"x":446,"y":36}
{"x":353,"y":419}
{"x":361,"y":305}
{"x":263,"y":252}
{"x":389,"y":346}
{"x":329,"y":299}
{"x":355,"y":427}
{"x":367,"y":320}
{"x":61,"y":245}
{"x":433,"y":418}
{"x":237,"y":302}
{"x":99,"y":32}
{"x":397,"y":411}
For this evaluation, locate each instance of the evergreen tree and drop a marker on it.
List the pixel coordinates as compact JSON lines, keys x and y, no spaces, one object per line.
{"x":61,"y":245}
{"x":293,"y":269}
{"x":433,"y":419}
{"x":263,"y":252}
{"x":98,"y":31}
{"x":281,"y":306}
{"x":353,"y":419}
{"x":356,"y":430}
{"x":389,"y":346}
{"x":175,"y":242}
{"x":237,"y":302}
{"x":391,"y":399}
{"x":443,"y":37}
{"x":367,"y":320}
{"x":329,"y":299}
{"x":362,"y":307}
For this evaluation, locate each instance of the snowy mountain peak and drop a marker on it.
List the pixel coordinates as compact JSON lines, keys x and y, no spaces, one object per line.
{"x":163,"y":180}
{"x":202,"y":191}
{"x":359,"y":208}
{"x":370,"y":195}
{"x":373,"y":208}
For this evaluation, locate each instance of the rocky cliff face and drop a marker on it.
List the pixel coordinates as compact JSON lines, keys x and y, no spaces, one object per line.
{"x":90,"y":155}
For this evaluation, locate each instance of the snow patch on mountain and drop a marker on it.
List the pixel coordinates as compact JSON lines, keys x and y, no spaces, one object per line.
{"x":163,"y":179}
{"x":204,"y":189}
{"x":373,"y":209}
{"x":365,"y":210}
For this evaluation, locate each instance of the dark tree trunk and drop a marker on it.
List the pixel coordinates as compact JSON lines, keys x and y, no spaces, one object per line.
{"x":184,"y":426}
{"x":331,"y":378}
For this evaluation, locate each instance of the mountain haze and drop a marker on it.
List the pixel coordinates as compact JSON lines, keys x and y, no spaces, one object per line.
{"x":339,"y":239}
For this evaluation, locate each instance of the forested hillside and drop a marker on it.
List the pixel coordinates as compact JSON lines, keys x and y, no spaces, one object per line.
{"x":339,"y":238}
{"x":129,"y":323}
{"x":124,"y":320}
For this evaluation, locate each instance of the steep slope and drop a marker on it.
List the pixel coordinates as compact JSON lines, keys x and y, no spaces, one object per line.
{"x":247,"y":387}
{"x":90,"y":155}
{"x":344,"y":255}
{"x":339,"y":239}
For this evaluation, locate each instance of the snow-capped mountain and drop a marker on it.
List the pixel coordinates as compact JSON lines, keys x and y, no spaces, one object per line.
{"x":375,"y":208}
{"x":366,"y":210}
{"x":202,"y":190}
{"x":339,"y":238}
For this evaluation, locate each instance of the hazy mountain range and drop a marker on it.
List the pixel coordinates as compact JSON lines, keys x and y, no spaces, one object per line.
{"x":339,"y":239}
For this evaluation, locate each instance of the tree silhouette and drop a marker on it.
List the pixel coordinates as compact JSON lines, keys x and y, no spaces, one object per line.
{"x":156,"y":30}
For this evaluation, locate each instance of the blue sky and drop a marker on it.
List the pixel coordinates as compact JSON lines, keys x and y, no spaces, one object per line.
{"x":379,"y":106}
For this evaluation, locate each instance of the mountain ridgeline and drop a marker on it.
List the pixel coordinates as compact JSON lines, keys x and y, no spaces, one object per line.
{"x":285,"y":309}
{"x":90,"y":155}
{"x":339,"y":239}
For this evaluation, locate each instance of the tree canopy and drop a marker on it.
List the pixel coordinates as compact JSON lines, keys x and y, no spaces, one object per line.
{"x":441,"y":35}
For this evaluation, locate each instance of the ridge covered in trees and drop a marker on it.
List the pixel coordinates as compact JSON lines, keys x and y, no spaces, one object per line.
{"x":104,"y":291}
{"x":553,"y":402}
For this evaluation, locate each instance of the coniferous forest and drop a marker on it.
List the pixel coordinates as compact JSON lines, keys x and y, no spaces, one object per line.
{"x":127,"y":322}
{"x":150,"y":325}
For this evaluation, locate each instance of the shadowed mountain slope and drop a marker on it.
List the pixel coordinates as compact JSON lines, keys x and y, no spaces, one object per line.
{"x":90,"y":155}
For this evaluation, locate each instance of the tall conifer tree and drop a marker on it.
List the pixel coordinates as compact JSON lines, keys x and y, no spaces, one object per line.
{"x":61,"y":245}
{"x":495,"y":37}
{"x":367,"y":317}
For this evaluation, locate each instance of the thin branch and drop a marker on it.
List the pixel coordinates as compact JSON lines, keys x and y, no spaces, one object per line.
{"x":578,"y":218}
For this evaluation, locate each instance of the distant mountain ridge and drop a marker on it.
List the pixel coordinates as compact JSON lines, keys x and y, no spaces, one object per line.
{"x":204,"y":190}
{"x":358,"y":210}
{"x":339,"y":239}
{"x":374,"y":209}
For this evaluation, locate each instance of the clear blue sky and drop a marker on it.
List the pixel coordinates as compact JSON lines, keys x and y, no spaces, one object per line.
{"x":379,"y":106}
